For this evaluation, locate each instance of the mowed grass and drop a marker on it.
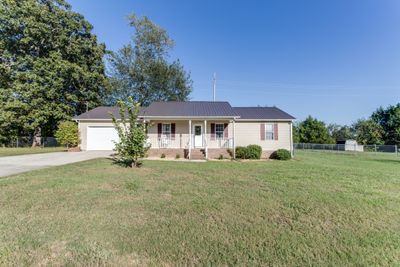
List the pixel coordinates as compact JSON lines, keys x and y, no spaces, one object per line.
{"x":319,"y":209}
{"x":15,"y":151}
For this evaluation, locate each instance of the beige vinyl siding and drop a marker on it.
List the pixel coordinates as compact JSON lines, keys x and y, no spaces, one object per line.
{"x":181,"y":134}
{"x":248,"y":133}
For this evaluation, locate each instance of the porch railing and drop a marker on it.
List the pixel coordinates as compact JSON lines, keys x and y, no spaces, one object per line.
{"x":165,"y":142}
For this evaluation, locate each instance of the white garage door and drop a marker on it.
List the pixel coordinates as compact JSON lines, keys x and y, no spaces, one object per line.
{"x":101,"y":138}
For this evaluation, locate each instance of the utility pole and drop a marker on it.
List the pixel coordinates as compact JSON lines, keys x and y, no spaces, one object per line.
{"x":214,"y":85}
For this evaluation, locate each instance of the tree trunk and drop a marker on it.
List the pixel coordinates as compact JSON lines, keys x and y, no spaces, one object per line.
{"x":37,"y":137}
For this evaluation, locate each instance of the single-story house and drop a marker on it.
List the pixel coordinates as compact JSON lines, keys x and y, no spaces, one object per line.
{"x":194,"y":129}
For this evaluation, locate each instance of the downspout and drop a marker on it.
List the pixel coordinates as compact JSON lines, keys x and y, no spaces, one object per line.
{"x":291,"y":140}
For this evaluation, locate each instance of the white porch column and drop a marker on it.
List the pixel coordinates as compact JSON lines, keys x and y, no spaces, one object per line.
{"x":205,"y":138}
{"x":233,"y":141}
{"x":190,"y":138}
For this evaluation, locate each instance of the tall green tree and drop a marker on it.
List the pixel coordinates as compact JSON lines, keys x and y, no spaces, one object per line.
{"x":141,"y":69}
{"x":314,"y":131}
{"x":389,"y":119}
{"x":51,"y":66}
{"x":368,"y":132}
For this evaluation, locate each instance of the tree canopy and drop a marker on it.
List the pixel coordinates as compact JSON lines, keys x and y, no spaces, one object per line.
{"x":51,"y":65}
{"x":141,"y":69}
{"x":312,"y":130}
{"x":389,"y":119}
{"x":368,"y":132}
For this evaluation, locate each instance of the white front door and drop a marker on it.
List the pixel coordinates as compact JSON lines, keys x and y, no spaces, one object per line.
{"x":198,"y":135}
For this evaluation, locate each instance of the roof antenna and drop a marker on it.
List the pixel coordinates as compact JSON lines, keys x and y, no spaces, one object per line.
{"x":214,"y":85}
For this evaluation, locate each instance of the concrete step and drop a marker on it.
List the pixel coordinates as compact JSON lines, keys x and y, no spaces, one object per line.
{"x":197,"y":154}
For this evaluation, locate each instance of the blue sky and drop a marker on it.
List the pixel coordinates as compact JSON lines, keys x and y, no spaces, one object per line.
{"x":337,"y":60}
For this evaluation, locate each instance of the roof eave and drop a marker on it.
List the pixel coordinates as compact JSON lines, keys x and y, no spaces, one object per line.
{"x":251,"y":120}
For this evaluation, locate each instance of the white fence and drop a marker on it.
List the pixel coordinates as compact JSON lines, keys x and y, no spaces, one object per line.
{"x":350,"y":148}
{"x":26,"y":141}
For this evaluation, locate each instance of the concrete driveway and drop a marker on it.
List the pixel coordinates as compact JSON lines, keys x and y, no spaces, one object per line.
{"x":23,"y":163}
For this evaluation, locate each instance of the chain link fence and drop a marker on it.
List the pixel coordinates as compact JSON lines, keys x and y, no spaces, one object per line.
{"x":26,"y":141}
{"x":348,"y":148}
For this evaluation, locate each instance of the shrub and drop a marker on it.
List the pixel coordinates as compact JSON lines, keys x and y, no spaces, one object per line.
{"x":67,"y":134}
{"x":221,"y":157}
{"x":163,"y":156}
{"x":178,"y":156}
{"x":241,"y":152}
{"x":253,"y":152}
{"x":249,"y":152}
{"x":281,"y":154}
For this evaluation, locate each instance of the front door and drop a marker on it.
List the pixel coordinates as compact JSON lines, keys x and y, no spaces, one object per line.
{"x":198,"y":135}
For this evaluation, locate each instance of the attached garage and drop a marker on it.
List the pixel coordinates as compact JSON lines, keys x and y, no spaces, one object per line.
{"x":101,"y":138}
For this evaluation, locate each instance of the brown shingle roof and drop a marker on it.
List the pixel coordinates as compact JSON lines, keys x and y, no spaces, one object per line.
{"x":102,"y":113}
{"x":193,"y":109}
{"x":262,"y":113}
{"x":190,"y":109}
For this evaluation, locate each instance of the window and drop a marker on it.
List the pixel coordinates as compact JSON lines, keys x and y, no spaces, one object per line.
{"x":166,"y":130}
{"x":269,"y":132}
{"x":219,"y":130}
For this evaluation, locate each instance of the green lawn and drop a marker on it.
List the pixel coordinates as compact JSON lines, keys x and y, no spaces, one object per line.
{"x":320,"y":209}
{"x":14,"y":151}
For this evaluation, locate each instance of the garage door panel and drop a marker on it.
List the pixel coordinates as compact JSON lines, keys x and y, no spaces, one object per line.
{"x":101,"y":138}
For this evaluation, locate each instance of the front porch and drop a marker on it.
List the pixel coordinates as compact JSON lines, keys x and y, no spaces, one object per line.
{"x":187,"y":137}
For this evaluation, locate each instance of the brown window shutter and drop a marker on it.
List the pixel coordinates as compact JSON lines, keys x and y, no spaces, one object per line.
{"x":226,"y":133}
{"x":159,"y":128}
{"x":212,"y":131}
{"x":275,"y":131}
{"x":173,"y":131}
{"x":262,"y":131}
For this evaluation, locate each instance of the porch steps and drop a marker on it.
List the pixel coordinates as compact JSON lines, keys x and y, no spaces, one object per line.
{"x":197,"y":154}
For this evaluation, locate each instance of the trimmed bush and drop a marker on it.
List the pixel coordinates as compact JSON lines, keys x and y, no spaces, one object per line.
{"x":253,"y":152}
{"x":163,"y":156}
{"x":241,"y":152}
{"x":249,"y":152}
{"x":281,"y":154}
{"x":67,"y":134}
{"x":178,"y":156}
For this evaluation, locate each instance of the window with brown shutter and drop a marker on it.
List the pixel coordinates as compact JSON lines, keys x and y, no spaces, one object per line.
{"x":275,"y":131}
{"x":219,"y":131}
{"x":269,"y":131}
{"x":262,"y":131}
{"x":226,"y":131}
{"x":212,"y":131}
{"x":172,"y":131}
{"x":159,"y":129}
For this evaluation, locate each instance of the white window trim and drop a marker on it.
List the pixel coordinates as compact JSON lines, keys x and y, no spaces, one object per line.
{"x":272,"y":132}
{"x":222,"y":137}
{"x":166,"y":134}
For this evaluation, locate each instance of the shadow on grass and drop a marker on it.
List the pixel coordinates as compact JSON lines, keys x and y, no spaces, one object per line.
{"x":391,"y":161}
{"x":124,"y":163}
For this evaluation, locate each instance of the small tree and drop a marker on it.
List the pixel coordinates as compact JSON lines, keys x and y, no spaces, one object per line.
{"x":67,"y":134}
{"x":132,"y":145}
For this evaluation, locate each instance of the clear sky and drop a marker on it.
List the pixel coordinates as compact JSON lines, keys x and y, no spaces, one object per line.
{"x":337,"y":60}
